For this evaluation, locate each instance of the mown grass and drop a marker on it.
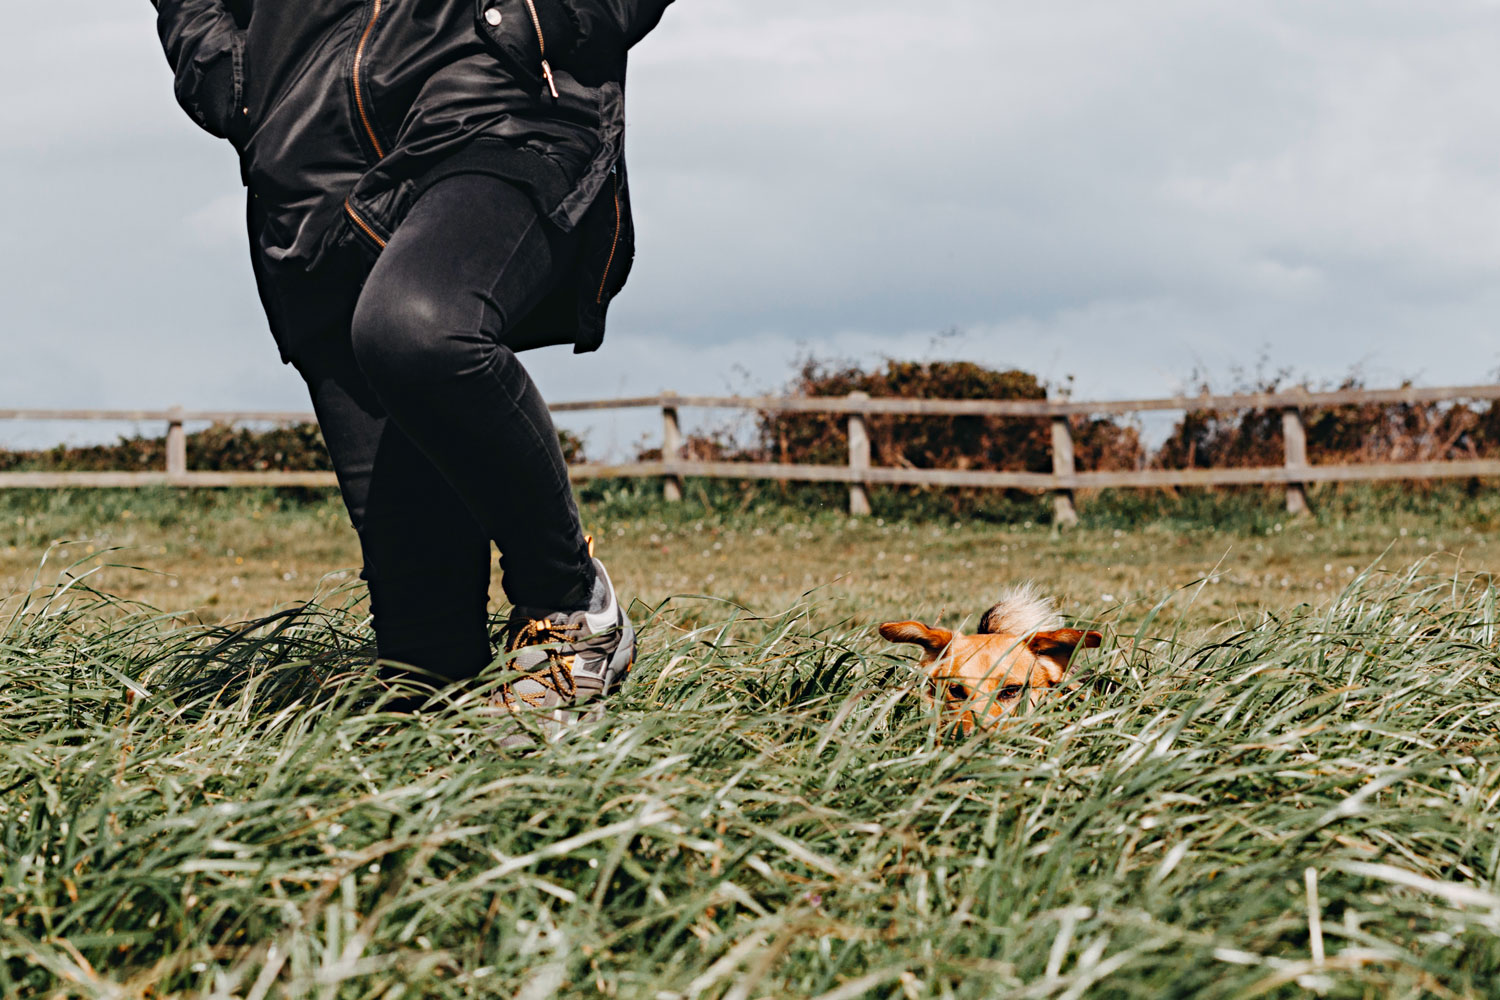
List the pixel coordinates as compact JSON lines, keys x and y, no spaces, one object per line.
{"x":769,"y":811}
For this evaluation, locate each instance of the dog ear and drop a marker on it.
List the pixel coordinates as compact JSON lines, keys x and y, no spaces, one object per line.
{"x":934,"y":640}
{"x":1061,"y":644}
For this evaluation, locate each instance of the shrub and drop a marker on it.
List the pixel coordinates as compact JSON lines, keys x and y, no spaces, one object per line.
{"x":1359,"y":432}
{"x":219,"y":448}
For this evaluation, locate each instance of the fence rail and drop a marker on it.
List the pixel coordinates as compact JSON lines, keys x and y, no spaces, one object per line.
{"x":859,"y":474}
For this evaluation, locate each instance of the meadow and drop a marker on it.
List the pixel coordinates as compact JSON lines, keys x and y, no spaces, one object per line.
{"x":1280,"y":774}
{"x":214,"y":555}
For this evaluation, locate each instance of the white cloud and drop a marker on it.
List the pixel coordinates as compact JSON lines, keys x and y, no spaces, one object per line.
{"x":1120,"y":192}
{"x":82,"y":76}
{"x":219,"y":223}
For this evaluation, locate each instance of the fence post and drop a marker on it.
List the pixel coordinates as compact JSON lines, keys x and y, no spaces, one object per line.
{"x":1295,"y":436}
{"x":671,"y":446}
{"x":176,"y":444}
{"x":1064,"y":513}
{"x":859,"y":458}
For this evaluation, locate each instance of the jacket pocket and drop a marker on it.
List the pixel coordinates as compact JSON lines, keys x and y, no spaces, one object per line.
{"x":212,"y":92}
{"x":362,"y":228}
{"x":371,"y":213}
{"x":575,"y":103}
{"x":238,"y":126}
{"x":618,"y":243}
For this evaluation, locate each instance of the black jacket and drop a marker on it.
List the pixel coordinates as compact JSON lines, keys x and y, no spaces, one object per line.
{"x":342,"y":110}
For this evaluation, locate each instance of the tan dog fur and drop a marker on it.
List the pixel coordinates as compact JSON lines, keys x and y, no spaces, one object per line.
{"x":1021,"y":648}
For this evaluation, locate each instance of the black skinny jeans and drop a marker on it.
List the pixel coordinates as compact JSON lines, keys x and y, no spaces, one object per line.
{"x":441,"y":441}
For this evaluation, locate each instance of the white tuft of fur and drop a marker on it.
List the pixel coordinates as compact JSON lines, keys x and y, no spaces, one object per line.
{"x":1021,"y":610}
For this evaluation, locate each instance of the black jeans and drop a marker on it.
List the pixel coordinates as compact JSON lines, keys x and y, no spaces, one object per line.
{"x":441,"y":441}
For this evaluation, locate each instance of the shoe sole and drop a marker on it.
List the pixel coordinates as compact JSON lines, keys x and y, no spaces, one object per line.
{"x":621,"y":660}
{"x":617,"y":672}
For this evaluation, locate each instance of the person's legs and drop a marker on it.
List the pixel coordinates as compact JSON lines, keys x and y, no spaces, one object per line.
{"x":426,"y":560}
{"x":472,"y":256}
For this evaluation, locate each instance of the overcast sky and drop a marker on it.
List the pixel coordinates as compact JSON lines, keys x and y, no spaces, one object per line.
{"x":1118,"y":191}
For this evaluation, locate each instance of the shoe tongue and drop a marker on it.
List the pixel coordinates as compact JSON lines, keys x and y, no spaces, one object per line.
{"x":599,"y":598}
{"x":522,"y":615}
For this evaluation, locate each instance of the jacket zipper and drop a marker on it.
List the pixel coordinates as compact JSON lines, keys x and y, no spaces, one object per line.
{"x":365,"y":226}
{"x":542,"y":41}
{"x":359,"y":95}
{"x":613,"y":247}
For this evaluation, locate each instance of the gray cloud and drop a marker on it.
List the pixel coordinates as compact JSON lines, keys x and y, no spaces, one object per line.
{"x":1114,"y":191}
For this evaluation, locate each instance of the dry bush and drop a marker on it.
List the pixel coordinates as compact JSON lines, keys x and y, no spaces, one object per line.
{"x":1350,"y":434}
{"x":980,"y":443}
{"x":219,"y":448}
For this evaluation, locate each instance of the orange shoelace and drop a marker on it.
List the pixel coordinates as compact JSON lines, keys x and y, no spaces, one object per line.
{"x":557,"y":676}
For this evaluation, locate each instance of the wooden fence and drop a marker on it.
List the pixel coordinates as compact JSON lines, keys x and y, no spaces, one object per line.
{"x":1294,"y":474}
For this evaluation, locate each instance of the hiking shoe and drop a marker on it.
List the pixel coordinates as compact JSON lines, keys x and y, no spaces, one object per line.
{"x":572,"y":660}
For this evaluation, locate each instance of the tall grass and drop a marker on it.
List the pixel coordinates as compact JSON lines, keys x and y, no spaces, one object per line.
{"x":1305,"y":804}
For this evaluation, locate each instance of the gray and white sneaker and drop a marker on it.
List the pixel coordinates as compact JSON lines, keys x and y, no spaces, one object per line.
{"x":572,"y":660}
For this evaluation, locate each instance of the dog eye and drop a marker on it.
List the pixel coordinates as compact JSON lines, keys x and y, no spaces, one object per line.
{"x":1010,"y":692}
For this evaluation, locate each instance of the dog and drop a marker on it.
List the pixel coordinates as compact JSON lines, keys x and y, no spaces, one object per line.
{"x":1021,"y":648}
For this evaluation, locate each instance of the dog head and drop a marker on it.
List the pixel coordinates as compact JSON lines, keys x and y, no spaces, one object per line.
{"x":1022,"y":649}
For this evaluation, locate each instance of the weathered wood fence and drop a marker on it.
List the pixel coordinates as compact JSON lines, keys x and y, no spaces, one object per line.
{"x":1065,"y":478}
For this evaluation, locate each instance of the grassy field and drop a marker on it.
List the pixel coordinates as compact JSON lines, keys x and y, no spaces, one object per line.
{"x":1281,"y":778}
{"x":211,"y":556}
